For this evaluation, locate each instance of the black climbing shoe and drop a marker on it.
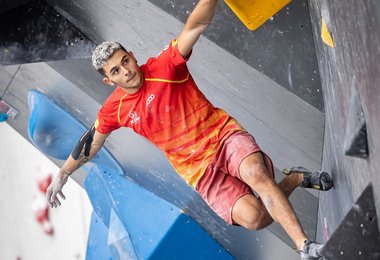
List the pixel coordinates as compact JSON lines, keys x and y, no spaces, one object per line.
{"x":311,"y":251}
{"x":315,"y":180}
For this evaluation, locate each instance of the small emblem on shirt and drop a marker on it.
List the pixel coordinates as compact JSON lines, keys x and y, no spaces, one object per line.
{"x":150,"y":99}
{"x":134,"y":117}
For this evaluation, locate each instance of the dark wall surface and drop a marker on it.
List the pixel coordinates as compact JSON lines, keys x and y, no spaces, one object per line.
{"x":354,"y":63}
{"x":35,"y":32}
{"x":6,"y":5}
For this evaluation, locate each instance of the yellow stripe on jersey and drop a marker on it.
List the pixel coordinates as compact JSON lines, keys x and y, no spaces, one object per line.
{"x":118,"y":110}
{"x":96,"y":124}
{"x":168,"y":80}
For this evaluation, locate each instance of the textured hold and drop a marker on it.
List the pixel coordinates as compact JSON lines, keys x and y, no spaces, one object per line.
{"x":358,"y":236}
{"x":254,"y":13}
{"x":325,"y":34}
{"x":355,"y":142}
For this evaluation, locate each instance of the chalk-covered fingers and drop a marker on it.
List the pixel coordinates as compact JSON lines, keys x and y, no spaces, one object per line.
{"x":55,"y":189}
{"x":49,"y":193}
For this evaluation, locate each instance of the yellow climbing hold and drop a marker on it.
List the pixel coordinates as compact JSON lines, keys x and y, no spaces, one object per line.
{"x":326,"y":36}
{"x":254,"y":13}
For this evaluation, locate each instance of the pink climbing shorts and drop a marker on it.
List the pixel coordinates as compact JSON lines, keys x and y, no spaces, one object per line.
{"x":221,"y":185}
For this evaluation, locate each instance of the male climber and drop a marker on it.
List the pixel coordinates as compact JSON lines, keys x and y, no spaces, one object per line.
{"x":208,"y":148}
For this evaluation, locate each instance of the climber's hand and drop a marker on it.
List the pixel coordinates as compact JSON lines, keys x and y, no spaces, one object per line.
{"x":56,"y":188}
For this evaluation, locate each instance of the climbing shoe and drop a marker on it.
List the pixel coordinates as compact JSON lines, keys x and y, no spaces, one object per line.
{"x":311,"y":251}
{"x":314,"y":180}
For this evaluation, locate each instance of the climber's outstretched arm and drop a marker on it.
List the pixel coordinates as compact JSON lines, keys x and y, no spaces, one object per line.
{"x":196,"y":24}
{"x":88,"y":145}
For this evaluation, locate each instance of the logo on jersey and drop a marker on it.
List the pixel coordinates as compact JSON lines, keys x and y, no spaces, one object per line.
{"x":150,"y":99}
{"x":134,"y":117}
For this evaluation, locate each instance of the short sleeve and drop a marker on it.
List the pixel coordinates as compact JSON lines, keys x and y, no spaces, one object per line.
{"x":172,"y":54}
{"x":106,"y":121}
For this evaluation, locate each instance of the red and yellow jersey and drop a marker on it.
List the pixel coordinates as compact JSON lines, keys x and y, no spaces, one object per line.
{"x":171,"y":112}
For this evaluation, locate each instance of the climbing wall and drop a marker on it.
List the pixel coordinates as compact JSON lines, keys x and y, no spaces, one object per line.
{"x":269,"y":79}
{"x":349,"y":72}
{"x":263,"y":100}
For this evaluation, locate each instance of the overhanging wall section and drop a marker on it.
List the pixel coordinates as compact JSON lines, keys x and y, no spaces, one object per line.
{"x":352,"y":64}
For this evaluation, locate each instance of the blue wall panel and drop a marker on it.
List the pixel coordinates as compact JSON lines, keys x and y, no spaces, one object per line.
{"x":97,"y":247}
{"x":155,"y":228}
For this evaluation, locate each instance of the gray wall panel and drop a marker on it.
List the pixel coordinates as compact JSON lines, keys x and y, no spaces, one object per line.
{"x":81,"y":73}
{"x":355,"y":61}
{"x":6,"y":75}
